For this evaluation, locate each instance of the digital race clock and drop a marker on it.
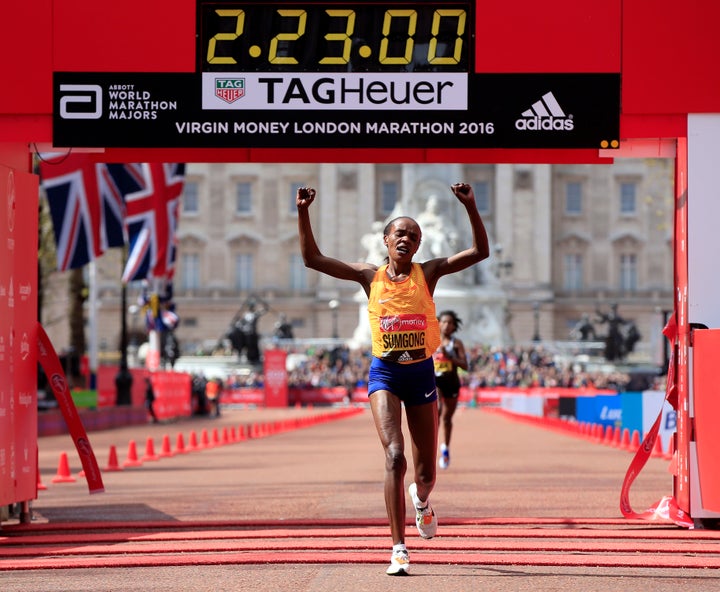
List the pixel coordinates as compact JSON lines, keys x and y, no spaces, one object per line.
{"x":345,"y":74}
{"x":356,"y":36}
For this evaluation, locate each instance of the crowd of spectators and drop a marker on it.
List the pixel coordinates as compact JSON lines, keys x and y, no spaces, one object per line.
{"x":514,"y":366}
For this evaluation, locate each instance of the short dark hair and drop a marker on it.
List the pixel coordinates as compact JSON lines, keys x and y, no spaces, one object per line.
{"x":451,"y":313}
{"x":386,"y":230}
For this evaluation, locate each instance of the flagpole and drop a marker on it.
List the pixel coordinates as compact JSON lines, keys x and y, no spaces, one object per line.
{"x":123,"y":379}
{"x":152,"y":362}
{"x":92,"y":320}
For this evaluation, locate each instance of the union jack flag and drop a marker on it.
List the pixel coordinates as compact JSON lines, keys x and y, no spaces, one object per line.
{"x":87,"y":211}
{"x":152,"y":200}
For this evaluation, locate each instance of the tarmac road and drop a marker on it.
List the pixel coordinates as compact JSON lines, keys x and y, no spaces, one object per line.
{"x":520,"y":508}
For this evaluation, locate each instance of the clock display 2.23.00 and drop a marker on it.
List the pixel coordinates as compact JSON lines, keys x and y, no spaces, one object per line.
{"x":334,"y":37}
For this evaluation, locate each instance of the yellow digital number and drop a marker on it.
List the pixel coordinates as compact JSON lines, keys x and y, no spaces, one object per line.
{"x":409,"y":42}
{"x":273,"y":57}
{"x":239,"y":16}
{"x":344,"y":37}
{"x":432,"y":48}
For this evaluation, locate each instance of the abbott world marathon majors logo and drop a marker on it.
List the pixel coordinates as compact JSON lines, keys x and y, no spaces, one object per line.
{"x":545,"y":115}
{"x":117,"y":101}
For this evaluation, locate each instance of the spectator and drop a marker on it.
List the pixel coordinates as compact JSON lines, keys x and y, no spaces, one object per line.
{"x":150,"y":399}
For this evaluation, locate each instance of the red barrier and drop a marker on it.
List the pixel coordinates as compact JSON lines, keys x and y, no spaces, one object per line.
{"x":172,"y":391}
{"x":50,"y":363}
{"x":18,"y":319}
{"x":276,"y":384}
{"x":172,"y":394}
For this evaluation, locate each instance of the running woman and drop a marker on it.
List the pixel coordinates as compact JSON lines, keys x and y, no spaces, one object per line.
{"x":447,"y":359}
{"x":405,"y":333}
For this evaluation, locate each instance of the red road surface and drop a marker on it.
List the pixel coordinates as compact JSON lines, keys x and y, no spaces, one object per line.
{"x":521,"y":508}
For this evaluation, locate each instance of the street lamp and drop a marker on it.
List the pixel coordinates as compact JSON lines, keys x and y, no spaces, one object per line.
{"x":334,"y":304}
{"x":123,"y":379}
{"x":536,"y":319}
{"x":133,"y":346}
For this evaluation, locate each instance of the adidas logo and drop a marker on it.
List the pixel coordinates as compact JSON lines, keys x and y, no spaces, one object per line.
{"x":405,"y":357}
{"x":545,"y":114}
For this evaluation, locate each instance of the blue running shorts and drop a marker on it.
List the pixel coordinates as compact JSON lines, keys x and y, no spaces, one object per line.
{"x":413,"y":384}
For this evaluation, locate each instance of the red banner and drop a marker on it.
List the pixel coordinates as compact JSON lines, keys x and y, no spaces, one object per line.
{"x":50,"y":362}
{"x":18,"y":320}
{"x":276,"y":379}
{"x":172,"y":394}
{"x":667,"y":508}
{"x":682,"y":342}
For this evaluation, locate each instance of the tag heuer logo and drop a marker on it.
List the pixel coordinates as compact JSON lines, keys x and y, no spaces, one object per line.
{"x":229,"y":89}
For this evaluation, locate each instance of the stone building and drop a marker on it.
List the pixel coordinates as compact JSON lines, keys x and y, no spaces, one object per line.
{"x":566,"y":240}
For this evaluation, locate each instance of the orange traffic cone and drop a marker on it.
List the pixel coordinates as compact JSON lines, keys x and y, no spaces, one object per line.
{"x":215,"y":438}
{"x":635,"y":441}
{"x":40,"y":485}
{"x":132,"y":457}
{"x":193,"y":444}
{"x":63,"y":473}
{"x":609,"y":435}
{"x":625,"y":442}
{"x":149,"y":450}
{"x":165,"y":451}
{"x":673,"y":458}
{"x":180,"y":444}
{"x":112,"y":464}
{"x":658,"y":448}
{"x":204,"y":440}
{"x":670,"y":449}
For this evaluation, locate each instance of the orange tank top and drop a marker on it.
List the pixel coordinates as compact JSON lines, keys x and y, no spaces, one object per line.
{"x":403,"y":324}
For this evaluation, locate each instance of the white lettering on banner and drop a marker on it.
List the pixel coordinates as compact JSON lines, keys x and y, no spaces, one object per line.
{"x":327,"y":127}
{"x":128,"y":95}
{"x":367,"y":91}
{"x":316,"y":127}
{"x":201,"y":127}
{"x":125,"y":102}
{"x":260,"y":127}
{"x":142,"y":105}
{"x":276,"y":376}
{"x":411,"y":127}
{"x":610,"y":414}
{"x":671,"y":421}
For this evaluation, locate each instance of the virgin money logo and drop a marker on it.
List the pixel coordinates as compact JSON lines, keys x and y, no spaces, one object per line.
{"x":58,"y":383}
{"x":412,"y":322}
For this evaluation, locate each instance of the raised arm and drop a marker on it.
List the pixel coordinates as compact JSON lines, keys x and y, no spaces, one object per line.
{"x":313,"y":257}
{"x":479,"y":250}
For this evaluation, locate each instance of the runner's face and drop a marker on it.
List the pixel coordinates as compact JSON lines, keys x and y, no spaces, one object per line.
{"x":447,"y":325}
{"x":403,"y":240}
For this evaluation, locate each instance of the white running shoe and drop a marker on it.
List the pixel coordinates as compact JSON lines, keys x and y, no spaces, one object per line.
{"x":399,"y":563}
{"x":425,"y":518}
{"x":444,"y":461}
